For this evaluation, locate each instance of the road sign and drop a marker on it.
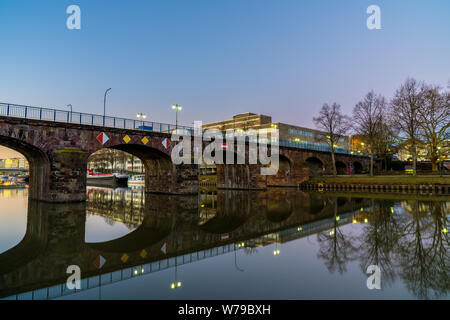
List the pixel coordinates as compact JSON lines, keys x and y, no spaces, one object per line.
{"x":224,"y":236}
{"x":102,"y":138}
{"x":166,"y":143}
{"x":124,"y":258}
{"x":127,"y":139}
{"x":165,"y":248}
{"x":99,"y":262}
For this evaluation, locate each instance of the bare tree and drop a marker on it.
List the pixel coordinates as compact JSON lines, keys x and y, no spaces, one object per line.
{"x":368,"y":121}
{"x":434,"y":121}
{"x":404,"y":109}
{"x":386,"y":140}
{"x":335,"y":124}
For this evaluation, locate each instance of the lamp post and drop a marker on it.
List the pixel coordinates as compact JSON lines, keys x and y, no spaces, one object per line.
{"x":177,"y":108}
{"x":351,"y":163}
{"x":69,"y":105}
{"x":141,"y":116}
{"x":104,"y":106}
{"x":440,"y":161}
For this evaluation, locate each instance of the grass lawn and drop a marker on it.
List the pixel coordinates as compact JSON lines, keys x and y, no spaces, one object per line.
{"x":207,"y":178}
{"x":364,"y":179}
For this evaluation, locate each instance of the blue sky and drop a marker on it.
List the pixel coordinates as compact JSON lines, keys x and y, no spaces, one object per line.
{"x":284,"y":58}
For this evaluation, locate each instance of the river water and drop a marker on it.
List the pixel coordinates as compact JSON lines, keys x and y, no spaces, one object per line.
{"x":277,"y":244}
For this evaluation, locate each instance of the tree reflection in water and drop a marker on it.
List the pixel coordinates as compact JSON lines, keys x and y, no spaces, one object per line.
{"x":423,"y":249}
{"x":405,"y":239}
{"x":336,"y":248}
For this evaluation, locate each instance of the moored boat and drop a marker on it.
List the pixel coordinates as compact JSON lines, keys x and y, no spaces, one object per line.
{"x":138,"y":179}
{"x":107,"y":179}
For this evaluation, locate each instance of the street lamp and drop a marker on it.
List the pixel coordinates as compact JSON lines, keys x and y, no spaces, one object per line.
{"x":351,"y":162}
{"x":104,"y":106}
{"x":440,"y":161}
{"x":177,"y":108}
{"x":69,"y":105}
{"x":141,"y":116}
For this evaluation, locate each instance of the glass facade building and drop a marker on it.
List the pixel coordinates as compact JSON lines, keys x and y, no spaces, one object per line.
{"x":290,"y":135}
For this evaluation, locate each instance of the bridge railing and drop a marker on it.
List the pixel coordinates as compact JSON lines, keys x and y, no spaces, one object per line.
{"x":65,"y":116}
{"x":319,"y":147}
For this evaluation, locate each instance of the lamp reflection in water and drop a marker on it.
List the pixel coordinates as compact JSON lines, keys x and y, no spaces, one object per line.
{"x":276,"y":252}
{"x":239,"y":245}
{"x":176,"y":284}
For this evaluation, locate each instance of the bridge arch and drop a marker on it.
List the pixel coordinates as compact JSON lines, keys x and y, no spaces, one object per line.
{"x":316,"y":204}
{"x":39,"y":164}
{"x":233,"y":210}
{"x":341,"y":167}
{"x":315,"y":164}
{"x":278,"y":210}
{"x":284,"y":173}
{"x":357,"y":167}
{"x":160,"y":173}
{"x":147,"y":234}
{"x":33,"y":242}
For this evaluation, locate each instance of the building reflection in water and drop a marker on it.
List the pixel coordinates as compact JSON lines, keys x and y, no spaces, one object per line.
{"x":405,"y":238}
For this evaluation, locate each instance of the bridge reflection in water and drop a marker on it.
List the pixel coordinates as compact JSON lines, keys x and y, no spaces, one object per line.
{"x":194,"y":228}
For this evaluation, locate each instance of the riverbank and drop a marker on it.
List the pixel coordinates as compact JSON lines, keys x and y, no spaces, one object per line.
{"x":396,"y":184}
{"x":12,"y":187}
{"x":382,"y":180}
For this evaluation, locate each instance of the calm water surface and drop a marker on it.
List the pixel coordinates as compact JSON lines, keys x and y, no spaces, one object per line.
{"x":278,"y":244}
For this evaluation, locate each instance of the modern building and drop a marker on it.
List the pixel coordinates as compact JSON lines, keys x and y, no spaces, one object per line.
{"x":290,"y":135}
{"x":14,"y":163}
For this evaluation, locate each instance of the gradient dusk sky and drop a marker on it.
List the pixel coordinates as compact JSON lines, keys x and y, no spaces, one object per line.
{"x":283,"y":58}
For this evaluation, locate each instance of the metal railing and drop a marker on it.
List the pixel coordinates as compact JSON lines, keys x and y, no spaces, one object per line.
{"x":317,"y":146}
{"x":64,"y":116}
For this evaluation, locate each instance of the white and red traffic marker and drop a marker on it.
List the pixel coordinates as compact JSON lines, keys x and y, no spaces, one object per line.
{"x":102,"y":138}
{"x":224,"y":146}
{"x":224,"y":236}
{"x":165,"y":248}
{"x":166,"y":143}
{"x":99,"y":262}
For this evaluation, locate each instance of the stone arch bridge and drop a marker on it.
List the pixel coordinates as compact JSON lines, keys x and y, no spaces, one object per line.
{"x":58,"y":154}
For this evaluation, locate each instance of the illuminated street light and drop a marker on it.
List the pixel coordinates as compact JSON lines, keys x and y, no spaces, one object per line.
{"x":440,"y":161}
{"x":177,"y":108}
{"x":141,"y":116}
